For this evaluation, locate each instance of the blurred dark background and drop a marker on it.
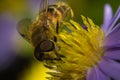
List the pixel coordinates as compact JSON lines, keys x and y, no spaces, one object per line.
{"x":16,"y":55}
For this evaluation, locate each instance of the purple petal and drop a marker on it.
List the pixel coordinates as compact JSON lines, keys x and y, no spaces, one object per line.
{"x":110,"y":68}
{"x":114,"y":37}
{"x":113,"y":52}
{"x":96,"y":74}
{"x":113,"y":22}
{"x":107,"y":17}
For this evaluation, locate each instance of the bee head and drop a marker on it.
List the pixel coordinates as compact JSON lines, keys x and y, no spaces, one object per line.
{"x":43,"y":46}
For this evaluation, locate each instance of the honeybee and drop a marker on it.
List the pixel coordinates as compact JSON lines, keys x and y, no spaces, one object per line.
{"x":38,"y":33}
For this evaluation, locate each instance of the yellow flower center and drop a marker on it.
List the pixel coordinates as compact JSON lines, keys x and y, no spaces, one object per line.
{"x":82,"y":48}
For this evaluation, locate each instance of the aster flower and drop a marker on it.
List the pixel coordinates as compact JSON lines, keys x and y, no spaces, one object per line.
{"x":91,"y":54}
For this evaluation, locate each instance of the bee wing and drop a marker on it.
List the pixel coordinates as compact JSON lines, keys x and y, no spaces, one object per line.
{"x":23,"y":28}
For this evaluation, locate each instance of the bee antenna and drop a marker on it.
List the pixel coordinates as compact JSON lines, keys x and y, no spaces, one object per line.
{"x":46,"y":9}
{"x":46,"y":5}
{"x":43,"y":5}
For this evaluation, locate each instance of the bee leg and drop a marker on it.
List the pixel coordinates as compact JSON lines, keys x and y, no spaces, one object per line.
{"x":55,"y":39}
{"x":57,"y":27}
{"x":58,"y":58}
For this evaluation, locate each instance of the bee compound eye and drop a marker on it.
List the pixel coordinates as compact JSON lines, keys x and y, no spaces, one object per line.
{"x":46,"y":46}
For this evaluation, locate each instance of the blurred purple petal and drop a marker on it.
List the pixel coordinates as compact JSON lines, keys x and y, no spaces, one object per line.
{"x":34,"y":5}
{"x":7,"y":27}
{"x":110,"y":68}
{"x":96,"y":74}
{"x":114,"y":37}
{"x":107,"y":17}
{"x":114,"y":20}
